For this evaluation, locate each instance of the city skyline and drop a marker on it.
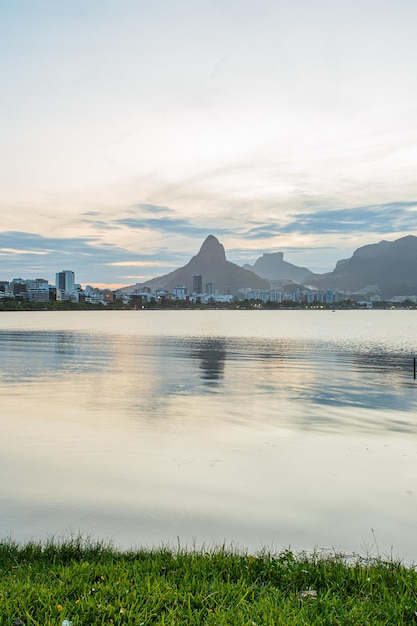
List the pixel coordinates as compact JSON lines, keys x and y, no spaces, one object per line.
{"x":131,"y":132}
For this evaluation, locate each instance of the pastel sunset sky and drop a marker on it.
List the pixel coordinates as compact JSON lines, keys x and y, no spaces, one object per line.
{"x":132,"y":129}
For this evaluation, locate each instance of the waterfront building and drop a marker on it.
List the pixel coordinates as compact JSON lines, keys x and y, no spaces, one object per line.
{"x":65,"y":285}
{"x":18,"y":286}
{"x":197,"y":283}
{"x":65,"y":281}
{"x":38,"y":290}
{"x":180,"y":293}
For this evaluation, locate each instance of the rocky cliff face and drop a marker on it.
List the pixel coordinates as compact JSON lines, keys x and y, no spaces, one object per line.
{"x":392,"y":265}
{"x":273,"y":267}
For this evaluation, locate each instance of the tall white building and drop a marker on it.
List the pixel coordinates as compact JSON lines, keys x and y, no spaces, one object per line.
{"x":65,"y":281}
{"x":65,"y":285}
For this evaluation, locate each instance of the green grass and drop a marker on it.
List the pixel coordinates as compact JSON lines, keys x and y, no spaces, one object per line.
{"x":89,"y":583}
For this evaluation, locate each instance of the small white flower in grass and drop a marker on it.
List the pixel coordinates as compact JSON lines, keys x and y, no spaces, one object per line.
{"x":309,"y":593}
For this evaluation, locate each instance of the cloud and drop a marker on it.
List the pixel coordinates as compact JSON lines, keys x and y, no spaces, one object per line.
{"x":138,"y":264}
{"x":172,"y":225}
{"x":383,"y":218}
{"x":386,"y":218}
{"x":99,"y":225}
{"x":7,"y":251}
{"x":266,"y":231}
{"x":154,"y":208}
{"x":91,"y":260}
{"x":33,"y":243}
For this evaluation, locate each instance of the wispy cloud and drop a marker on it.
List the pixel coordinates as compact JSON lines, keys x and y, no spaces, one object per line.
{"x":172,"y":225}
{"x":138,"y":264}
{"x":385,"y":218}
{"x":92,"y":261}
{"x":8,"y":251}
{"x":392,"y":217}
{"x":264,"y":231}
{"x":154,"y":208}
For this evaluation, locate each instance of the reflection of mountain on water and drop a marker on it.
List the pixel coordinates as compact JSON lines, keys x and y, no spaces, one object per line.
{"x":212,"y":355}
{"x":306,"y":383}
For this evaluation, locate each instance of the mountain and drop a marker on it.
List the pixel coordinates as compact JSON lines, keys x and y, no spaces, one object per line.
{"x":273,"y":267}
{"x":389,"y":265}
{"x":211,"y":263}
{"x":392,"y":265}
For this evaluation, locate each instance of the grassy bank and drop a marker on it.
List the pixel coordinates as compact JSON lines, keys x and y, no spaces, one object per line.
{"x":90,"y":583}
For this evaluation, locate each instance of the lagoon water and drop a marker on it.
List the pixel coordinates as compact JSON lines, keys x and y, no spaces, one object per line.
{"x":251,"y":428}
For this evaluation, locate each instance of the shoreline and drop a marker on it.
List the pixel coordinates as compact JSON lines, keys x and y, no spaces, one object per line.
{"x":81,"y":582}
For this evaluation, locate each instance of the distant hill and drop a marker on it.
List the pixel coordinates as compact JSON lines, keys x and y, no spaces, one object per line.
{"x":211,"y":263}
{"x":392,"y":265}
{"x":389,"y":265}
{"x":272,"y":266}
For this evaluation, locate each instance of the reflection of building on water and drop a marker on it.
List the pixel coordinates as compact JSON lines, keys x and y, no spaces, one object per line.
{"x":212,"y":355}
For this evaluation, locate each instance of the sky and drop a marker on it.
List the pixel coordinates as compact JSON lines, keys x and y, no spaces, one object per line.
{"x":131,"y":130}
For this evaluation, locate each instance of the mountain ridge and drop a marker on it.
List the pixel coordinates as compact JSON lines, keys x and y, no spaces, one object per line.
{"x":214,"y":268}
{"x":390,"y":266}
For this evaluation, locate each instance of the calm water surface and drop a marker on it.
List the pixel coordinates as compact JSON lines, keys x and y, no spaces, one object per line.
{"x":279,"y":429}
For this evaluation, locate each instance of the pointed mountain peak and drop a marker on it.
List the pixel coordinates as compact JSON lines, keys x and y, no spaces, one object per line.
{"x":212,"y":249}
